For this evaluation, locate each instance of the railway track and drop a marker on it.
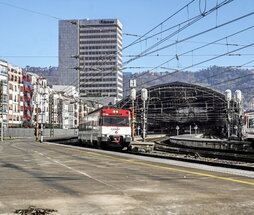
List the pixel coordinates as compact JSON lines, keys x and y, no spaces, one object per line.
{"x":228,"y":159}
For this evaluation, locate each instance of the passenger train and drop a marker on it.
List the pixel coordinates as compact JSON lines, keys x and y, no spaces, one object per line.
{"x":248,"y":125}
{"x":106,"y":128}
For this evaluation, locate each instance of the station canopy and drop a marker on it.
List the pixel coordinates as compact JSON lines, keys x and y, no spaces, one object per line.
{"x":187,"y":106}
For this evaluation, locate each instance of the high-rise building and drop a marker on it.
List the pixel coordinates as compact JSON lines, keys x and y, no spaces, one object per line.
{"x":90,"y":55}
{"x":4,"y":92}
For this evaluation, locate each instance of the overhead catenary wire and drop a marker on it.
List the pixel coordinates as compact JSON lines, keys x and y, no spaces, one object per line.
{"x":31,"y":11}
{"x":199,"y":17}
{"x":226,"y":71}
{"x":207,"y":60}
{"x":195,"y":49}
{"x":192,"y":36}
{"x":231,"y":80}
{"x":160,"y":23}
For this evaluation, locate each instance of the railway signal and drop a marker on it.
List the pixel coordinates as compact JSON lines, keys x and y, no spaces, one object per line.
{"x":177,"y":130}
{"x":133,"y":85}
{"x":144,"y":98}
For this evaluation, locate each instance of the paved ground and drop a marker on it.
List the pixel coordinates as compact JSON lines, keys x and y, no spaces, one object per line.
{"x":83,"y":181}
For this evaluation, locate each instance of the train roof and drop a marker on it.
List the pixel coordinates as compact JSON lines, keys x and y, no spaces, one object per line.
{"x":105,"y":107}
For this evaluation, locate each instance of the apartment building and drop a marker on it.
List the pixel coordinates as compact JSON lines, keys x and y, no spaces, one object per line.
{"x":64,"y":110}
{"x":28,"y":90}
{"x":36,"y":95}
{"x":90,"y":56}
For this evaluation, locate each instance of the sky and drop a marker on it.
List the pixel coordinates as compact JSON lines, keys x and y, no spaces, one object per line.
{"x":29,"y":31}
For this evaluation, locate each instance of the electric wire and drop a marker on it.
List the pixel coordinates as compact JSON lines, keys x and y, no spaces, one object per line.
{"x":207,"y":60}
{"x":28,"y":10}
{"x":144,"y":53}
{"x":160,"y":23}
{"x":195,"y":49}
{"x":226,"y":71}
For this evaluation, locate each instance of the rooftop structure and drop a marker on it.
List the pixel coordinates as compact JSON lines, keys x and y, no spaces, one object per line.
{"x":183,"y":105}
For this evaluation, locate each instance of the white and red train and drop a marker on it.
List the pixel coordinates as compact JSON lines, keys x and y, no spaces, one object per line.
{"x":248,"y":125}
{"x":106,"y":128}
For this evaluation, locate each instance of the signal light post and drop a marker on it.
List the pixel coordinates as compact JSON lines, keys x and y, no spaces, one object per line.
{"x":144,"y":99}
{"x":133,"y":98}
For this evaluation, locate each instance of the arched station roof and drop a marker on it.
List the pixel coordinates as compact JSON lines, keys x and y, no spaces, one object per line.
{"x":181,"y":104}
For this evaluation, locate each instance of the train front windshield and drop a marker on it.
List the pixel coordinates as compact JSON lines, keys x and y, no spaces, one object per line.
{"x":115,"y":121}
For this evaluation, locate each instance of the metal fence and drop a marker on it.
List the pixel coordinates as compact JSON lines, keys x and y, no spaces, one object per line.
{"x":29,"y":132}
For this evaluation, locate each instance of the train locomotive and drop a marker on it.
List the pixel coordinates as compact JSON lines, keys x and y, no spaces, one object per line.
{"x":248,"y":126}
{"x":106,"y":128}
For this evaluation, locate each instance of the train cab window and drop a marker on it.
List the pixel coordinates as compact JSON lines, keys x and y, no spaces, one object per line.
{"x":251,"y":123}
{"x":115,"y":121}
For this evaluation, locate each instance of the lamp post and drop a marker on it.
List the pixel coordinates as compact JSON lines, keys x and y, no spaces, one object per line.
{"x":35,"y":101}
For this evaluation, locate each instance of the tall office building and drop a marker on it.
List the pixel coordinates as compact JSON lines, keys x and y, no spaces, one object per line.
{"x":90,"y":55}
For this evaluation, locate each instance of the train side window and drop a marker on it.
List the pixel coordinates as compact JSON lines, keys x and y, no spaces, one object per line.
{"x":251,"y":123}
{"x":100,"y":121}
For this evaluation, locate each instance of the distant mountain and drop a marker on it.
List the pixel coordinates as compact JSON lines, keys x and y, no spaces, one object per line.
{"x":215,"y":77}
{"x":50,"y":73}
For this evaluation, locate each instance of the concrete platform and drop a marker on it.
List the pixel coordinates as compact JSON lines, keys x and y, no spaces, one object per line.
{"x":140,"y":146}
{"x":200,"y":142}
{"x":75,"y":180}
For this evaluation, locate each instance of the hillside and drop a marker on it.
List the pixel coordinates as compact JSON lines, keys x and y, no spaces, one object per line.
{"x":215,"y":77}
{"x":218,"y":78}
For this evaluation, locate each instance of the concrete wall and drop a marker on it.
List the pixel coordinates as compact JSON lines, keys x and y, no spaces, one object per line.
{"x":29,"y":132}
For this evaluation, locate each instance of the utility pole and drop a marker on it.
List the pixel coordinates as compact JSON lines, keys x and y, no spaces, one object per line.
{"x":36,"y":126}
{"x":51,"y":114}
{"x":35,"y":100}
{"x":133,"y":98}
{"x":144,"y":99}
{"x":2,"y":109}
